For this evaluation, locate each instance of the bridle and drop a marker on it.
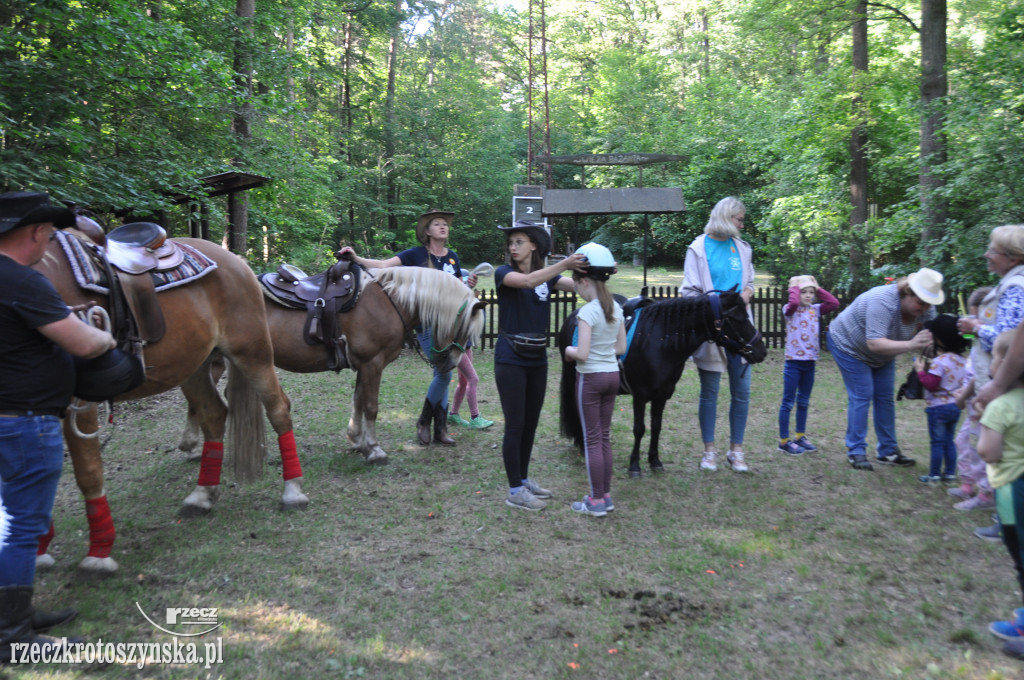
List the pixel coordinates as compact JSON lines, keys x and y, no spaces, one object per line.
{"x":462,"y":348}
{"x":722,"y":336}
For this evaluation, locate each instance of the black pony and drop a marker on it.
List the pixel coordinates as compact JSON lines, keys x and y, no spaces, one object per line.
{"x":667,"y":332}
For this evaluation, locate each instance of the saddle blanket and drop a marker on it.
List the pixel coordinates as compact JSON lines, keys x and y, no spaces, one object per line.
{"x":91,"y":276}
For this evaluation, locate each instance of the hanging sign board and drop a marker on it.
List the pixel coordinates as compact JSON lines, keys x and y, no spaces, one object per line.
{"x":629,"y":201}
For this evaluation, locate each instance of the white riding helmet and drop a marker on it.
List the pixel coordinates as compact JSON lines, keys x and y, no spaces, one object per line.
{"x":600,"y":262}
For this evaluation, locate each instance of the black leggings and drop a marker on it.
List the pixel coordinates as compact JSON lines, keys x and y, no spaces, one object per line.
{"x":521,"y":391}
{"x":1012,"y":533}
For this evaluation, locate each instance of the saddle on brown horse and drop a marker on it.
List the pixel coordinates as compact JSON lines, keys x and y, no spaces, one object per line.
{"x":323,"y":296}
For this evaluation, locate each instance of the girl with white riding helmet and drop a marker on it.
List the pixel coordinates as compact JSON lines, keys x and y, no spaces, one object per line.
{"x":600,"y":339}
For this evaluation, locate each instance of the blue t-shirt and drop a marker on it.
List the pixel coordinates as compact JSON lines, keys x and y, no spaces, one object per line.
{"x":421,"y":257}
{"x":724,"y":264}
{"x":521,"y":310}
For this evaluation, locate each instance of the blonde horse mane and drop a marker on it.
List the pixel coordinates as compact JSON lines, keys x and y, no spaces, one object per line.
{"x":443,"y":303}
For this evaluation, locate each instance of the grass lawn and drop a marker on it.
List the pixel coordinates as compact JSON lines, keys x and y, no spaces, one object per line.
{"x":803,"y":568}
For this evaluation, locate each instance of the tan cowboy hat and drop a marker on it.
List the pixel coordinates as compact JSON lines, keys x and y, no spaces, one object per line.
{"x":803,"y":281}
{"x":426,"y":218}
{"x":927,"y":285}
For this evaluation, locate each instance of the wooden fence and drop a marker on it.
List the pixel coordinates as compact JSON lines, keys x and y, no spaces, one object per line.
{"x":767,"y":304}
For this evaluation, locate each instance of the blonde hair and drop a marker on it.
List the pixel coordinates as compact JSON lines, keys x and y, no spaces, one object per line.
{"x":720,"y":224}
{"x":1009,"y":238}
{"x":975,"y":298}
{"x":1001,"y":344}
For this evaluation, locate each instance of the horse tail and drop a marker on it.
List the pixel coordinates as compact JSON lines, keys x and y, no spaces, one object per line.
{"x":568,"y":415}
{"x":246,"y":430}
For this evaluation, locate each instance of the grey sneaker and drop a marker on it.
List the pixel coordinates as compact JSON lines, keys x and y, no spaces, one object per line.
{"x":588,"y":506}
{"x":524,"y":500}
{"x":609,"y":504}
{"x":992,"y":533}
{"x":735,"y":460}
{"x":536,"y":489}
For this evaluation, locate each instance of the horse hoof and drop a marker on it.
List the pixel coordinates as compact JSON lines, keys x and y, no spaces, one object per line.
{"x":193,"y":456}
{"x":44,"y":561}
{"x":96,"y":568}
{"x":187,"y":510}
{"x":657,"y":469}
{"x":634,"y":474}
{"x":294,"y":505}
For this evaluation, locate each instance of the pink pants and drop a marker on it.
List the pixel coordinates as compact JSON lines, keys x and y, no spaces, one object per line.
{"x":969,"y":465}
{"x":468,"y":380}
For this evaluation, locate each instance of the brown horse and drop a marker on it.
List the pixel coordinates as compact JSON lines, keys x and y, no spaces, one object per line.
{"x":223,"y":312}
{"x":392,"y":302}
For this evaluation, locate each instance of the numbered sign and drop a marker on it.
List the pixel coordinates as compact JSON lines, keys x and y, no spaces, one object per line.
{"x":527,"y":208}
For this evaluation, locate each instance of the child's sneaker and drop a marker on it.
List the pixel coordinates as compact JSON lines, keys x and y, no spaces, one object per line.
{"x":456,"y":419}
{"x":735,"y":460}
{"x":963,"y":492}
{"x":929,"y":479}
{"x":588,"y":506}
{"x":979,"y":502}
{"x":949,"y":479}
{"x":805,"y":444}
{"x":709,"y":461}
{"x":479,"y":423}
{"x":792,"y":448}
{"x":1008,"y":630}
{"x":609,"y":504}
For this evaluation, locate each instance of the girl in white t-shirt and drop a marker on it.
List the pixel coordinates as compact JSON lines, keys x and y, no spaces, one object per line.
{"x":601,"y":337}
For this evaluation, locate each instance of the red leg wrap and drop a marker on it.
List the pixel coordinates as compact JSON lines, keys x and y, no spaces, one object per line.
{"x":44,"y":541}
{"x":290,"y":464}
{"x":101,"y":527}
{"x":210,"y":464}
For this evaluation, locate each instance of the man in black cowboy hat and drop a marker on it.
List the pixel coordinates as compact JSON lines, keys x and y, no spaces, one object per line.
{"x":38,"y":336}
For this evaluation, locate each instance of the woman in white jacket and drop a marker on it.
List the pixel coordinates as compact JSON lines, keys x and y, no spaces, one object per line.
{"x":720,"y":260}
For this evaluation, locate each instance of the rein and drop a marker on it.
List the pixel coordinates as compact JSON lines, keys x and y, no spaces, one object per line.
{"x":722,"y":337}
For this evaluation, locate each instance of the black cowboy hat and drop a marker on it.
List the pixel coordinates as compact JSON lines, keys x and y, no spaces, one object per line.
{"x":945,"y":333}
{"x":426,"y":218}
{"x":537,"y":233}
{"x":19,"y":209}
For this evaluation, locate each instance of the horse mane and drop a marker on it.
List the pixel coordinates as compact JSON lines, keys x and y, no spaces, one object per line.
{"x":678,"y":319}
{"x":441,"y":300}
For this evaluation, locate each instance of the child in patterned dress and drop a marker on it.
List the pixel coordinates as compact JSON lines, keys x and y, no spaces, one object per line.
{"x":803,"y":330}
{"x":941,"y":378}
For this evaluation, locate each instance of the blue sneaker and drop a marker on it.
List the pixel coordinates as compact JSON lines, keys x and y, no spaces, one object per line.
{"x":792,"y":448}
{"x":929,"y":479}
{"x":805,"y":444}
{"x":609,"y":505}
{"x":1008,"y":630}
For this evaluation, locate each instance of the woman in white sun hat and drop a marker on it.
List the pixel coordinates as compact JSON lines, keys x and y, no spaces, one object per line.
{"x":865,"y":339}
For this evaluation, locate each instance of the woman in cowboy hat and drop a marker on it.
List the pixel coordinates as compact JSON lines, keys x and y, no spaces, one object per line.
{"x":865,"y":339}
{"x":432,"y":229}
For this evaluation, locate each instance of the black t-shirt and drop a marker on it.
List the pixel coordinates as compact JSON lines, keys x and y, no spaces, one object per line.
{"x":35,"y":373}
{"x":521,"y":310}
{"x":419,"y":256}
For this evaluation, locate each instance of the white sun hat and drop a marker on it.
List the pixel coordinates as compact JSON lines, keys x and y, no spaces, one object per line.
{"x":927,"y":285}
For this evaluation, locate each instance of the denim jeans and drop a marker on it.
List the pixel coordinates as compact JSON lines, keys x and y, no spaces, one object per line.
{"x":739,"y":399}
{"x":942,"y":422}
{"x":867,"y":386}
{"x":437,"y":392}
{"x":797,"y":383}
{"x":31,"y":456}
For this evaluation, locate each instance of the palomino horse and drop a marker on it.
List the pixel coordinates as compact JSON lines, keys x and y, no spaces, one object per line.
{"x":666,"y":334}
{"x":391,"y":303}
{"x":222,"y":311}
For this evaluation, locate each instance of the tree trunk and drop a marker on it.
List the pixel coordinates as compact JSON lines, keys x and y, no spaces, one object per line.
{"x":858,"y":261}
{"x":391,"y":189}
{"x":238,"y":226}
{"x":934,"y":88}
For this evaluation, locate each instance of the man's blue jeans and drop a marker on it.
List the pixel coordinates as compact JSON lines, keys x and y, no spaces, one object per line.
{"x":739,"y":399}
{"x":797,"y":383}
{"x":942,"y":420}
{"x":31,"y":456}
{"x":867,"y":386}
